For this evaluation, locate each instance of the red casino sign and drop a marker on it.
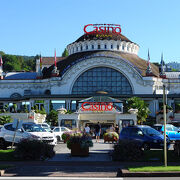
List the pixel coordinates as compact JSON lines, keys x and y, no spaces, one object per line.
{"x":97,"y":106}
{"x":102,"y":28}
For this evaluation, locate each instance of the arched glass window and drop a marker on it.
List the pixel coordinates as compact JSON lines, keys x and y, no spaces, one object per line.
{"x":102,"y":79}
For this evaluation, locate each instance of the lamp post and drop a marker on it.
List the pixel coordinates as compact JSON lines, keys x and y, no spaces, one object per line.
{"x":164,"y":110}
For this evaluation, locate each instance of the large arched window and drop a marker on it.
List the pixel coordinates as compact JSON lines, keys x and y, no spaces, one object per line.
{"x":102,"y":79}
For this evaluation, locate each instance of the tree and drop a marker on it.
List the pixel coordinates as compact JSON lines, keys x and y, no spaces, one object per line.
{"x":52,"y":118}
{"x":2,"y":53}
{"x":5,"y":119}
{"x":65,"y":53}
{"x":143,"y":110}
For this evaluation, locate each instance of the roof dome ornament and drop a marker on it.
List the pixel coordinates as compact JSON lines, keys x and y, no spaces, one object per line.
{"x":149,"y":70}
{"x":162,"y":73}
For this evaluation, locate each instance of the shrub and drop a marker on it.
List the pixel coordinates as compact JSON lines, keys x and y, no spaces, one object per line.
{"x":34,"y":150}
{"x":127,"y":151}
{"x":78,"y":138}
{"x":5,"y":119}
{"x":66,"y":136}
{"x":112,"y":135}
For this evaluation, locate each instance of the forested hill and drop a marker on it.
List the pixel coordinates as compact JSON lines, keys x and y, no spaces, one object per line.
{"x":18,"y":63}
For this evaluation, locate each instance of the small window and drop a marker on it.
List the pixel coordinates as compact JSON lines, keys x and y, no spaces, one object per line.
{"x":81,"y":48}
{"x":123,"y":47}
{"x":9,"y":127}
{"x":76,"y":48}
{"x":56,"y":130}
{"x":127,"y":48}
{"x":105,"y":46}
{"x":111,"y":46}
{"x":92,"y":46}
{"x":63,"y":129}
{"x":117,"y":47}
{"x":86,"y":47}
{"x":99,"y":46}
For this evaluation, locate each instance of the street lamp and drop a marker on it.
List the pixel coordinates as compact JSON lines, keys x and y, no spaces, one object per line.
{"x":164,"y":110}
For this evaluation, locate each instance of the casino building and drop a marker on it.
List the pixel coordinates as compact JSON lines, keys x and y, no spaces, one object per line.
{"x":103,"y":68}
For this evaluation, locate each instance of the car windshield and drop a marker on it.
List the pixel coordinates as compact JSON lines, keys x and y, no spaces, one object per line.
{"x":33,"y":128}
{"x":150,"y":131}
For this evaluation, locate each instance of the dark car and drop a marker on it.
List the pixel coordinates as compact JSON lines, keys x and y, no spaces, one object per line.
{"x":147,"y":136}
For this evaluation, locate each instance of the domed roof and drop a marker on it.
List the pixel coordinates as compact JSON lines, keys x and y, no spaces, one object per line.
{"x":138,"y":63}
{"x":107,"y":36}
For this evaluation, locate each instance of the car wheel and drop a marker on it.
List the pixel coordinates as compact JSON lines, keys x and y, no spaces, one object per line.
{"x":3,"y":144}
{"x":146,"y":147}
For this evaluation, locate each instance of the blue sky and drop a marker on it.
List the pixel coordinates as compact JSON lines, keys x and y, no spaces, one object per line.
{"x":28,"y":27}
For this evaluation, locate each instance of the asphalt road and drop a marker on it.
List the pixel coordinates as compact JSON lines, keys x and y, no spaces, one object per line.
{"x":86,"y":178}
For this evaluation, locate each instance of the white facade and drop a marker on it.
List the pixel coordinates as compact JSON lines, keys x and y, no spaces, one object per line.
{"x":60,"y":88}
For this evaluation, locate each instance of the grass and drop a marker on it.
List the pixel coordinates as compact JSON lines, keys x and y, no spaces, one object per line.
{"x":154,"y":169}
{"x":7,"y":155}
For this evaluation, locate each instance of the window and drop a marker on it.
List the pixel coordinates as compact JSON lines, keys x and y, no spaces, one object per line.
{"x":81,"y":48}
{"x":105,"y":46}
{"x":1,"y":105}
{"x":111,"y":46}
{"x":69,"y":123}
{"x":122,"y":47}
{"x":102,"y":79}
{"x":86,"y":47}
{"x":92,"y":46}
{"x":99,"y":46}
{"x":56,"y":130}
{"x":117,"y":47}
{"x":76,"y":48}
{"x":9,"y":127}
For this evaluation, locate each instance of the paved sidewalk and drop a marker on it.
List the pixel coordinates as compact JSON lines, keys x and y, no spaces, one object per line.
{"x":99,"y":152}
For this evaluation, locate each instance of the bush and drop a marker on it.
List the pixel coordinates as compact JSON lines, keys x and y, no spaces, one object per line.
{"x":5,"y":119}
{"x":66,"y":136}
{"x":34,"y":150}
{"x":79,"y":138}
{"x":127,"y":151}
{"x":111,"y":136}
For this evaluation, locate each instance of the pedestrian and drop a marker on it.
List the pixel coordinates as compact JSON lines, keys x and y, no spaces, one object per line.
{"x":97,"y":131}
{"x":87,"y":129}
{"x":112,"y":128}
{"x":117,"y":128}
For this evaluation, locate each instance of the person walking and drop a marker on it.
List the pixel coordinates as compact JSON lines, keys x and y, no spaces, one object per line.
{"x":87,"y":129}
{"x":97,"y":131}
{"x":117,"y":128}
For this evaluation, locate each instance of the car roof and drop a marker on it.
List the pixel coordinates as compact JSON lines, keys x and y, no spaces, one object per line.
{"x":137,"y":126}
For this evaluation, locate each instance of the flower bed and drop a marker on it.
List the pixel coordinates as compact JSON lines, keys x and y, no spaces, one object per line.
{"x":111,"y":137}
{"x":79,"y":144}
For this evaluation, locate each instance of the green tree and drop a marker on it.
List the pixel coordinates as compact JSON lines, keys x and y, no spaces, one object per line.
{"x":65,"y":53}
{"x":2,"y":53}
{"x":143,"y":110}
{"x":5,"y":119}
{"x":52,"y":118}
{"x":12,"y":63}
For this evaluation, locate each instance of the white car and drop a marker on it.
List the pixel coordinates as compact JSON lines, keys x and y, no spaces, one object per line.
{"x":28,"y":131}
{"x":58,"y":131}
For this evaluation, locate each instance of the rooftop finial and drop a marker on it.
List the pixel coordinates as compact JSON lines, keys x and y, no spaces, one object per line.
{"x":148,"y":70}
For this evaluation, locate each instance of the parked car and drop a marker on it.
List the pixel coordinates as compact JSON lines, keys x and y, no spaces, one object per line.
{"x":148,"y":137}
{"x":28,"y":131}
{"x":58,"y":131}
{"x":171,"y":131}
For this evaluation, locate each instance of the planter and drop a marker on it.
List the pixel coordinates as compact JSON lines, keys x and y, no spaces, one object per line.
{"x":108,"y":139}
{"x":76,"y":150}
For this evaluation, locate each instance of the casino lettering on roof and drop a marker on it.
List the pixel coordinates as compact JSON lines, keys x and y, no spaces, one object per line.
{"x":102,"y":71}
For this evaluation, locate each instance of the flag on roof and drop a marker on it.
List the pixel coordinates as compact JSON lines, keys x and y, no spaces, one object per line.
{"x":40,"y":61}
{"x":1,"y":61}
{"x":55,"y":58}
